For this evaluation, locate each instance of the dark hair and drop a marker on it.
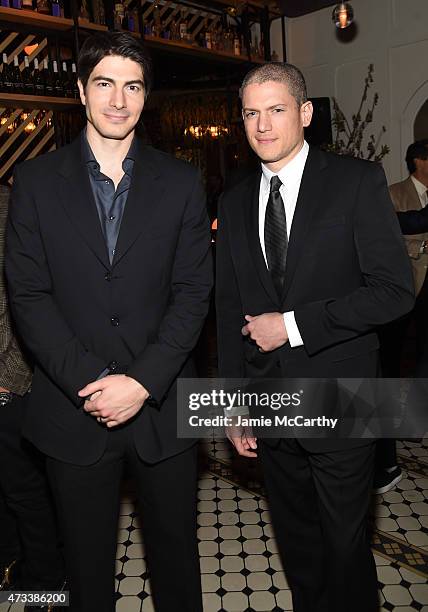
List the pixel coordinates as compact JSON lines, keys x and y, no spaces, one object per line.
{"x":281,"y":73}
{"x":417,"y":150}
{"x":101,"y":44}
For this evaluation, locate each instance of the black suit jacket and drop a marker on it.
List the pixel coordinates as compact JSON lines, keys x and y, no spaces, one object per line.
{"x":78,"y":314}
{"x":414,"y":221}
{"x":347,"y":272}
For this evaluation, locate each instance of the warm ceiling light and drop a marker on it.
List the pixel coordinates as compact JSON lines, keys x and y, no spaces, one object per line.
{"x":343,"y":15}
{"x":30,"y":49}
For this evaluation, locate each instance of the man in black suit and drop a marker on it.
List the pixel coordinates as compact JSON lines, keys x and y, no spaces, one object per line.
{"x":108,"y":262}
{"x":310,"y":261}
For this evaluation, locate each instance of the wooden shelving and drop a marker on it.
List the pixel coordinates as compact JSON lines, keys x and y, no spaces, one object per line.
{"x":40,"y":102}
{"x":89,"y":25}
{"x":34,"y":19}
{"x":188,"y":49}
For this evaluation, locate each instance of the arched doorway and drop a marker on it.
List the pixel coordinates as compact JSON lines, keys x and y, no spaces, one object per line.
{"x":420,"y":129}
{"x":417,"y":103}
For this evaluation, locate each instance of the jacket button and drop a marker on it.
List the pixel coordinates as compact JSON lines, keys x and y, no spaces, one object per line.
{"x":107,"y":276}
{"x":112,"y":366}
{"x":114,"y":321}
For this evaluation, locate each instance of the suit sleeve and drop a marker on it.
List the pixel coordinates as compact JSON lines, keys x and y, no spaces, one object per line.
{"x":414,"y":221}
{"x":161,"y":361}
{"x":386,"y":291}
{"x":230,"y":318}
{"x":42,"y":326}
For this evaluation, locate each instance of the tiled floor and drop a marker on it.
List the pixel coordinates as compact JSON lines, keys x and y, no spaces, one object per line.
{"x":241,"y":569}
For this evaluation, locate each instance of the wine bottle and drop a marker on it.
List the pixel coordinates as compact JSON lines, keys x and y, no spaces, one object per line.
{"x":236,"y":44}
{"x":48,"y":79}
{"x":74,"y":81}
{"x":7,"y":76}
{"x":57,"y":85}
{"x":27,"y":78}
{"x":67,"y":86}
{"x":38,"y":81}
{"x":17,"y":77}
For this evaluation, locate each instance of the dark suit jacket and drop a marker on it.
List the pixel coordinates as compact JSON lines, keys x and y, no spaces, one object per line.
{"x":414,"y":221}
{"x":78,"y":314}
{"x":347,"y":272}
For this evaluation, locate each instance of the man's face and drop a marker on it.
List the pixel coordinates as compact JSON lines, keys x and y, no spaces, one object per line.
{"x":114,"y":96}
{"x":422,"y":171}
{"x":274,"y":122}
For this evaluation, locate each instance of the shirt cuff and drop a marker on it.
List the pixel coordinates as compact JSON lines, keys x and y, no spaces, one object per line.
{"x":294,"y":337}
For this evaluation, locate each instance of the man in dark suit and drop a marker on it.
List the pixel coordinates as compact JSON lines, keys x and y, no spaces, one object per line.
{"x":108,"y":262}
{"x":310,"y":261}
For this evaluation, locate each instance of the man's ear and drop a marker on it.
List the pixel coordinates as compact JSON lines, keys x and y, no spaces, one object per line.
{"x":81,"y":91}
{"x":306,"y":111}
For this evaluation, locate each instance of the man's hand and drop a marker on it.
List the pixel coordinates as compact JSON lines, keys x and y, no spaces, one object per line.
{"x":242,"y":439}
{"x":115,"y":399}
{"x":267,"y":330}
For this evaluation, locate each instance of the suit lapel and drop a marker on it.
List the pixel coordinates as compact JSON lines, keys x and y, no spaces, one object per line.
{"x":79,"y":203}
{"x":143,"y":198}
{"x":251,"y":211}
{"x":311,"y":188}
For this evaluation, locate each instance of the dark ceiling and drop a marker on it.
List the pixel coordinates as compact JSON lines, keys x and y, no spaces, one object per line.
{"x":296,"y":8}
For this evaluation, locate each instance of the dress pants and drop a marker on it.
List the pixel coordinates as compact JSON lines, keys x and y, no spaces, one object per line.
{"x":88,"y":500}
{"x":27,"y":523}
{"x":319,"y":505}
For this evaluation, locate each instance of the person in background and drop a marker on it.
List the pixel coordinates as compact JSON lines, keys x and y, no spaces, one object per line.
{"x":410,"y":198}
{"x":30,"y":557}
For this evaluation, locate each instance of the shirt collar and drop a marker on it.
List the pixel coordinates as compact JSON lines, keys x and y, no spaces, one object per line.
{"x":420,"y":187}
{"x":89,"y":157}
{"x":291,"y":172}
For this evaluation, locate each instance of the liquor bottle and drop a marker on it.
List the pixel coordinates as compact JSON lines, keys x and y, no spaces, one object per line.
{"x":47,"y":79}
{"x":236,"y":44}
{"x":57,"y":85}
{"x":174,"y":33}
{"x":43,"y":7}
{"x":74,"y":81}
{"x":7,"y":76}
{"x":157,"y":25}
{"x":166,"y":32}
{"x":132,"y":18}
{"x":38,"y":80}
{"x":17,"y":77}
{"x":207,"y":36}
{"x":5,"y":3}
{"x":118,"y":16}
{"x":148,"y":28}
{"x":56,"y":8}
{"x":27,"y":78}
{"x":182,"y":27}
{"x":17,"y":4}
{"x":27,"y":5}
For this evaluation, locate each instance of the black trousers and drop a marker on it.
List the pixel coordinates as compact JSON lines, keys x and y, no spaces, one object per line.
{"x":88,"y":505}
{"x":27,"y":523}
{"x":319,"y":505}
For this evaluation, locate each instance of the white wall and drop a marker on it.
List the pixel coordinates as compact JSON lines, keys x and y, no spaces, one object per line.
{"x":391,"y":34}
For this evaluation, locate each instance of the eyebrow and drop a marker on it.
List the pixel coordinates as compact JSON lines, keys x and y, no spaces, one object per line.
{"x":270,"y":107}
{"x":104,"y":78}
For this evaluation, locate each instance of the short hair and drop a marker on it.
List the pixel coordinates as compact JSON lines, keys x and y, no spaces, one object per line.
{"x":417,"y":150}
{"x":279,"y":72}
{"x":100,"y":45}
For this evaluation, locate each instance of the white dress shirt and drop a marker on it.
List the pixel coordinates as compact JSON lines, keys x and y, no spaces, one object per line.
{"x":422,"y":191}
{"x":291,"y":177}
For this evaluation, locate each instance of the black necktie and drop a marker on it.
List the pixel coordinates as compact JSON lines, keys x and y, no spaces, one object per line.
{"x":276,"y":240}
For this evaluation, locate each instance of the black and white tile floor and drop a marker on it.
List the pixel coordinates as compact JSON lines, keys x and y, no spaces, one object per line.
{"x":241,"y":569}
